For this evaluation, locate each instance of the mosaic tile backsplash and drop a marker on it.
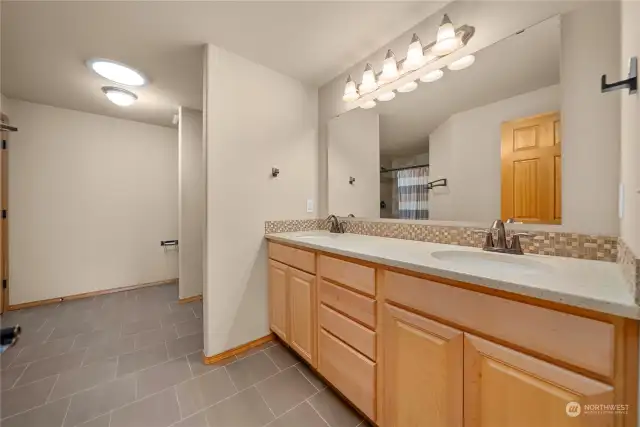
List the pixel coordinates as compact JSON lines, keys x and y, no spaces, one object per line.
{"x":630,"y":267}
{"x":572,"y":245}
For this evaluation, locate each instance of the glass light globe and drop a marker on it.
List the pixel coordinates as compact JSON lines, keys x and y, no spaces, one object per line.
{"x":369,"y":83}
{"x":119,"y":96}
{"x":350,"y":91}
{"x":409,"y":87}
{"x":446,"y":41}
{"x":432,"y":76}
{"x":389,"y":68}
{"x":368,"y":104}
{"x":387,"y":96}
{"x":462,"y":63}
{"x":415,"y":55}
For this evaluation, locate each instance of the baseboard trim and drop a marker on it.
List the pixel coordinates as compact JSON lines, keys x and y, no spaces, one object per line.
{"x":190,"y":299}
{"x":210,"y":360}
{"x":87,"y":295}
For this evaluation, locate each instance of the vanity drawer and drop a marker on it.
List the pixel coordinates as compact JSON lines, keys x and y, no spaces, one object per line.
{"x":348,"y":302}
{"x":579,"y":341}
{"x":355,"y":276}
{"x":354,"y":334}
{"x":352,"y":373}
{"x":298,"y":258}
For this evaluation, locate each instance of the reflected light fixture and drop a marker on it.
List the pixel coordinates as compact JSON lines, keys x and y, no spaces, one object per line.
{"x":415,"y":55}
{"x":386,"y":96}
{"x":117,"y":72}
{"x":350,"y":90}
{"x":389,"y":68}
{"x":368,"y":104}
{"x":369,"y":82}
{"x":119,"y":96}
{"x":408,"y":87}
{"x":446,"y":41}
{"x":432,"y":76}
{"x":462,"y":63}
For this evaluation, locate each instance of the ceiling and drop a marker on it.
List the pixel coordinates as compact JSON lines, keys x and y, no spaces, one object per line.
{"x":519,"y":64}
{"x":45,"y":45}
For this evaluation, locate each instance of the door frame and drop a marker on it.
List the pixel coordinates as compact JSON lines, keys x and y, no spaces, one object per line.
{"x":4,"y":202}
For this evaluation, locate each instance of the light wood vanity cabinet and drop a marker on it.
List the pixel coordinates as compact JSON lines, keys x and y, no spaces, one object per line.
{"x":415,"y":351}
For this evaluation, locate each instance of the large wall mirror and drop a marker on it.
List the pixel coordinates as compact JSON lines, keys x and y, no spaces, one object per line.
{"x":490,"y":141}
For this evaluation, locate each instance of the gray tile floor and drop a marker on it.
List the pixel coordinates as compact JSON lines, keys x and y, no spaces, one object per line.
{"x":133,"y":359}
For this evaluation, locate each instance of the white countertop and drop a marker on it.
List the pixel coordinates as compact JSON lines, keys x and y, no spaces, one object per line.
{"x":594,"y":285}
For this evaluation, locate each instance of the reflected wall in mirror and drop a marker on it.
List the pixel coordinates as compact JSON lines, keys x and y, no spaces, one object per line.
{"x":517,"y":134}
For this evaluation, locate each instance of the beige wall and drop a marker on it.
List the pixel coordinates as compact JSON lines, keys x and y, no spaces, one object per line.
{"x":191,"y":202}
{"x":630,"y":130}
{"x":255,"y":119}
{"x":590,"y":47}
{"x":494,"y":20}
{"x":90,"y":199}
{"x":354,"y":151}
{"x":466,"y":150}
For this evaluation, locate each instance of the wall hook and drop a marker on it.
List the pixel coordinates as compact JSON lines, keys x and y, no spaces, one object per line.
{"x":351,"y":180}
{"x":631,"y":82}
{"x":437,"y":183}
{"x":275,"y":172}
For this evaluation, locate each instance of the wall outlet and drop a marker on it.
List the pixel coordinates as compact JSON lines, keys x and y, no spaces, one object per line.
{"x":309,"y":205}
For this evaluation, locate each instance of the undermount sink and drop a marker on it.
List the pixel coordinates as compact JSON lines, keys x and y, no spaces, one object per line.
{"x":485,"y":260}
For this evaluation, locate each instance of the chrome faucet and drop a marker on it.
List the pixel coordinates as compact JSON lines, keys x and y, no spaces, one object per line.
{"x":501,"y":245}
{"x":335,"y":226}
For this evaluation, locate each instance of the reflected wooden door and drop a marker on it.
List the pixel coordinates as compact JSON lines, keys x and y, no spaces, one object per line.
{"x":532,"y":169}
{"x":505,"y":388}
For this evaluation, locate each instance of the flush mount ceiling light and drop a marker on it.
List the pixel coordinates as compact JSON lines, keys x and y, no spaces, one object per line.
{"x":350,"y":90}
{"x":432,"y":76}
{"x":119,"y":96}
{"x":117,"y":72}
{"x":369,"y":80}
{"x":446,"y":40}
{"x":462,"y":63}
{"x":386,"y":96}
{"x":408,"y":87}
{"x":389,"y":68}
{"x":368,"y":104}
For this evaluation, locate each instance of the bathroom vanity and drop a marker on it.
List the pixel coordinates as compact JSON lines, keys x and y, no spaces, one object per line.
{"x":423,"y":334}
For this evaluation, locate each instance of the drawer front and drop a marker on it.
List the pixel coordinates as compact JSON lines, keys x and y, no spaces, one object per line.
{"x":350,"y":303}
{"x":352,"y":333}
{"x":355,"y":276}
{"x":579,"y":341}
{"x":352,"y":373}
{"x":298,"y":258}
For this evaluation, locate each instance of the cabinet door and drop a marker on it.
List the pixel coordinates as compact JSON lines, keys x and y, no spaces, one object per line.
{"x":301,"y":309}
{"x":505,"y":388}
{"x":421,"y":371}
{"x":278,"y":307}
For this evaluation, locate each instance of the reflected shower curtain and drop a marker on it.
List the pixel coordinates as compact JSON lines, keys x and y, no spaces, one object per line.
{"x":412,"y":193}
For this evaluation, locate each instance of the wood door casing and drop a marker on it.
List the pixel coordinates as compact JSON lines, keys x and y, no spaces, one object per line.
{"x":4,"y":226}
{"x":531,"y":158}
{"x":278,"y":304}
{"x":506,"y":388}
{"x":422,"y":371}
{"x":301,"y":326}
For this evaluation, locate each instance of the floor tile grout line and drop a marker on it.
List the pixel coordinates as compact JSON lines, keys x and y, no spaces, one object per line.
{"x":265,"y":402}
{"x":291,"y":409}
{"x":320,"y":415}
{"x":66,"y":412}
{"x":52,"y":388}
{"x":231,"y":379}
{"x":272,"y":361}
{"x":305,"y":377}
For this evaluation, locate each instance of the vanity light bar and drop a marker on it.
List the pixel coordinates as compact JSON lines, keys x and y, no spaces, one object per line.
{"x":462,"y":34}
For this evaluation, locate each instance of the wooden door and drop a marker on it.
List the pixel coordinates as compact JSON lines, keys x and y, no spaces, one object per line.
{"x":301,"y":308}
{"x":505,"y":388}
{"x":532,"y":169}
{"x":421,"y":371}
{"x":278,"y":306}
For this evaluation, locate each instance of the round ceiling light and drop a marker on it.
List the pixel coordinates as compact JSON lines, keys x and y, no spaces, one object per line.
{"x":117,"y":72}
{"x":462,"y":63}
{"x":119,"y":96}
{"x":368,"y":104}
{"x":432,"y":76}
{"x":409,"y":87}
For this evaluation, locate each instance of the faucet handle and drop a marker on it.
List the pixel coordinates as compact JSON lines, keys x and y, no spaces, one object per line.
{"x":488,"y":239}
{"x":516,"y":247}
